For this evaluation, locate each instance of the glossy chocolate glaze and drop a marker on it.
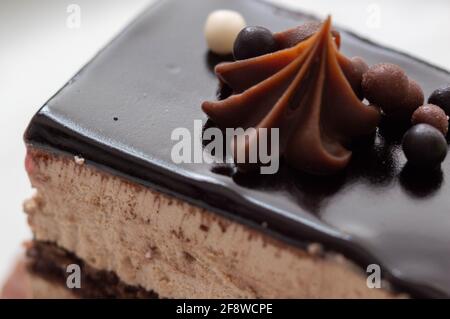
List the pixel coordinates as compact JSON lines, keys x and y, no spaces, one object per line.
{"x":153,"y":78}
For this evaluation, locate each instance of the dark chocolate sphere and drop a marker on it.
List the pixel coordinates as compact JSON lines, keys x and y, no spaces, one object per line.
{"x":441,"y":98}
{"x":424,"y":146}
{"x":252,"y":42}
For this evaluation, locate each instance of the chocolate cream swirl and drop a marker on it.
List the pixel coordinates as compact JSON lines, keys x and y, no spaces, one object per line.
{"x":307,"y":91}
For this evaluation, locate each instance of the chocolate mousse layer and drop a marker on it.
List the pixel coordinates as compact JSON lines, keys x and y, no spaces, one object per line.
{"x":166,"y":245}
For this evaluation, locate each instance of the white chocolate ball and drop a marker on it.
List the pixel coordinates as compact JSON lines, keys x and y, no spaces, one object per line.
{"x":221,"y":30}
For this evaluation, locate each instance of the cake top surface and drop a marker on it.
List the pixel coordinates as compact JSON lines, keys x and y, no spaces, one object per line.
{"x":120,"y":110}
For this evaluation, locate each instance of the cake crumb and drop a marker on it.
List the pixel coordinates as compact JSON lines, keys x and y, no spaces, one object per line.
{"x":340,"y":259}
{"x":315,"y":249}
{"x":28,"y":244}
{"x":79,"y":160}
{"x":148,"y":255}
{"x":30,"y":206}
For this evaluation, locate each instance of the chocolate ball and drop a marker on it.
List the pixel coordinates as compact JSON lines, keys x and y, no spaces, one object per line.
{"x":415,"y":97}
{"x":385,"y":85}
{"x":432,"y":115}
{"x":441,"y":98}
{"x":424,"y":146}
{"x":411,"y":102}
{"x":355,"y":75}
{"x":360,"y":65}
{"x":252,"y":42}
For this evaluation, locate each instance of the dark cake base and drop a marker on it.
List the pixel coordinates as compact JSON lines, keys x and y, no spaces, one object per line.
{"x":48,"y":261}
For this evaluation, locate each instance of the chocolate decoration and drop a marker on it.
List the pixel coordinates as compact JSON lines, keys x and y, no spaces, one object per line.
{"x":432,"y":115}
{"x":376,"y":212}
{"x":242,"y":75}
{"x":291,"y":37}
{"x":386,"y":85}
{"x":354,"y":70}
{"x":310,"y":101}
{"x":413,"y":100}
{"x":441,"y":98}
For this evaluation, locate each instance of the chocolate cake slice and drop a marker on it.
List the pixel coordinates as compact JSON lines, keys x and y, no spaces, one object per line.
{"x":111,"y":200}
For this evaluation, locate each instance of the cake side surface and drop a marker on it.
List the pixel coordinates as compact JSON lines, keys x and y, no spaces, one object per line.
{"x":118,"y":114}
{"x":166,"y":245}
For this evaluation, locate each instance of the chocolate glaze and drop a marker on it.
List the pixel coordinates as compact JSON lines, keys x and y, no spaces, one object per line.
{"x":154,"y":76}
{"x":303,"y":91}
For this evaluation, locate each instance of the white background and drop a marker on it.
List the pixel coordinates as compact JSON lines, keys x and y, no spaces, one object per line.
{"x":39,"y":53}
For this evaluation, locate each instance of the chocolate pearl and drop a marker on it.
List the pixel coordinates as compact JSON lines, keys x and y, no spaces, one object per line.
{"x":354,"y":75}
{"x":252,"y":42}
{"x":360,"y":65}
{"x":432,"y":115}
{"x":411,"y":102}
{"x":385,"y":85}
{"x":441,"y":98}
{"x":415,"y":97}
{"x":424,"y":146}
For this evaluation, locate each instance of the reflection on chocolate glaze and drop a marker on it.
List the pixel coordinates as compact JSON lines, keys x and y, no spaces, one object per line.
{"x":212,"y":60}
{"x":393,"y":130}
{"x":375,"y":162}
{"x":209,"y":124}
{"x":223,"y":91}
{"x":224,"y":169}
{"x":420,"y":184}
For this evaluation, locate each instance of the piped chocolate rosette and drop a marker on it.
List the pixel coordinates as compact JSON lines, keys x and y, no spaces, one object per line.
{"x":308,"y":90}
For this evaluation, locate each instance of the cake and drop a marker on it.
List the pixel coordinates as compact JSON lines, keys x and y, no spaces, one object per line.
{"x":110,"y":199}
